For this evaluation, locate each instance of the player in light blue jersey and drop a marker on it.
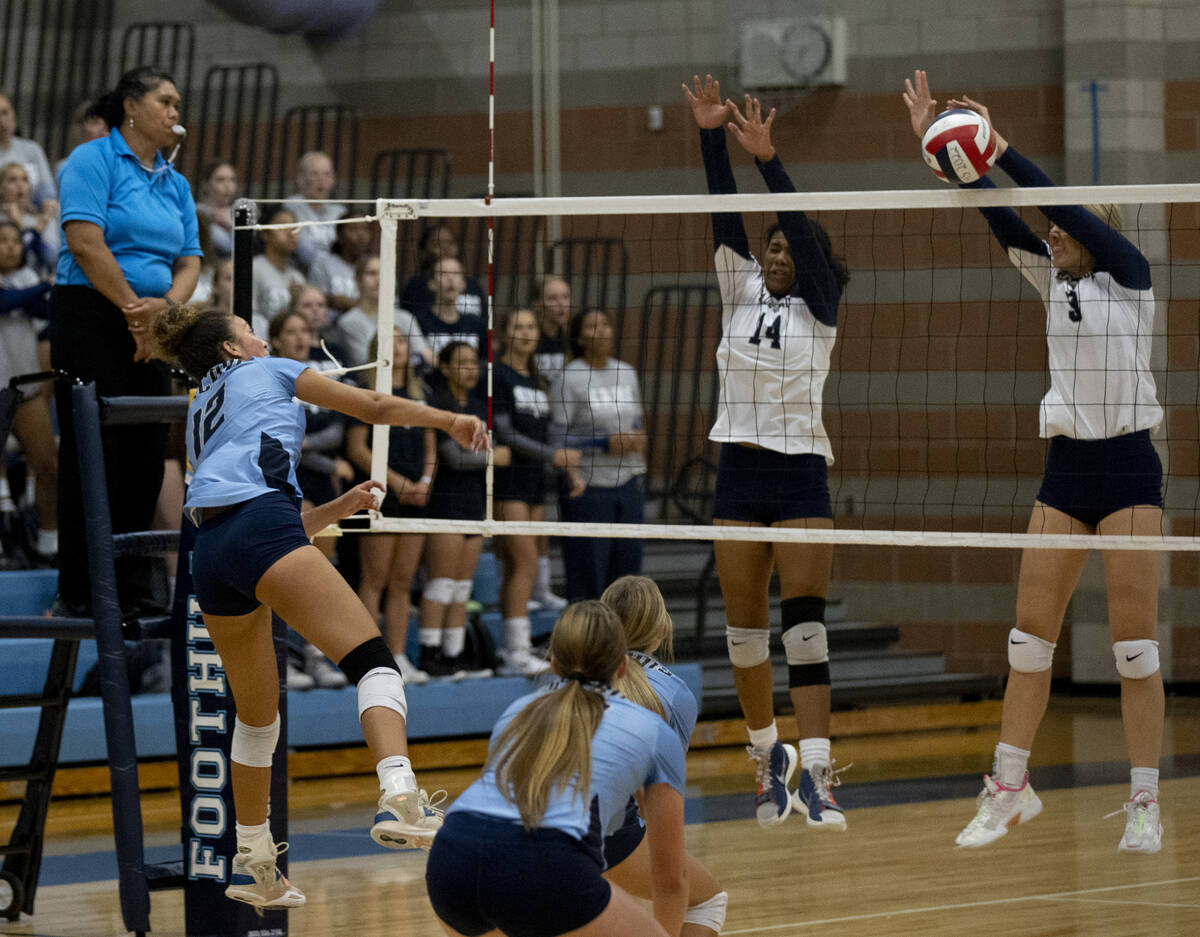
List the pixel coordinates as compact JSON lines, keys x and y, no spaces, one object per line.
{"x":639,"y":605}
{"x":253,"y":556}
{"x":521,"y":851}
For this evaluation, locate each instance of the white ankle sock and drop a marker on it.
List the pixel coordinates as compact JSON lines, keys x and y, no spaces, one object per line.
{"x":256,"y":837}
{"x":762,"y":739}
{"x":430,"y":637}
{"x":1143,"y":779}
{"x":541,"y":585}
{"x":814,"y":752}
{"x":47,"y":542}
{"x":1009,"y":764}
{"x":516,"y":634}
{"x":395,"y":773}
{"x":453,"y":641}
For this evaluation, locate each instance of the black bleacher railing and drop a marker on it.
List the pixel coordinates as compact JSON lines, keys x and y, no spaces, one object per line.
{"x":515,"y":243}
{"x":410,"y":173}
{"x":110,"y":631}
{"x":675,"y":343}
{"x":595,"y":268}
{"x":67,"y":63}
{"x":331,"y":128}
{"x":171,"y":46}
{"x":236,"y":124}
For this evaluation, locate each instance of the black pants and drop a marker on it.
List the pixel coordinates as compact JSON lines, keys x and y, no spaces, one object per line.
{"x":90,"y":341}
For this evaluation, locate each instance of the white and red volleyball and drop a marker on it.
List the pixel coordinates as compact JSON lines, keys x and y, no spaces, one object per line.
{"x":959,"y":146}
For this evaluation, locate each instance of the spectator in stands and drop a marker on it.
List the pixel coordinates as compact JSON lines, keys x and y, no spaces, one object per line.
{"x":522,"y":422}
{"x":39,"y":225}
{"x":310,"y":303}
{"x":28,"y":153}
{"x":601,"y":410}
{"x":132,"y":250}
{"x":222,"y":286}
{"x":323,"y":475}
{"x":389,"y":561}
{"x":551,"y":304}
{"x":438,"y":241}
{"x":23,"y":300}
{"x":444,"y":321}
{"x":277,"y":281}
{"x":333,"y":273}
{"x":356,"y":327}
{"x":218,"y":192}
{"x":457,"y":494}
{"x":85,"y":126}
{"x":315,"y":179}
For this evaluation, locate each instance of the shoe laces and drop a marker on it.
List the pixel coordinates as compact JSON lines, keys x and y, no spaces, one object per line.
{"x":433,"y":802}
{"x":762,"y":763}
{"x":825,"y":778}
{"x":1139,"y":801}
{"x":263,"y":867}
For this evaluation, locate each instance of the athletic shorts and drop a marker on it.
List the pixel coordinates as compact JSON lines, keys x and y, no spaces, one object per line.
{"x":236,"y":547}
{"x":1089,"y":479}
{"x":486,"y":873}
{"x":523,"y":481}
{"x":620,"y":845}
{"x":765,"y":487}
{"x":392,"y":507}
{"x":460,"y":505}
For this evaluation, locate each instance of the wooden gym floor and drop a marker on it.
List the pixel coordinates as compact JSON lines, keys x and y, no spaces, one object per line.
{"x":894,"y":872}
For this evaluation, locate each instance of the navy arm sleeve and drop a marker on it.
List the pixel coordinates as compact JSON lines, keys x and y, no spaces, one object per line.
{"x":1114,"y":253}
{"x":816,"y":283}
{"x":1008,"y":227}
{"x":521,"y":444}
{"x":728,"y":228}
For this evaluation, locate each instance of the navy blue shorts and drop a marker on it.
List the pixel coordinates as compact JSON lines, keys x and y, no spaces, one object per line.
{"x":1090,"y":479}
{"x":236,"y":547}
{"x":620,"y":845}
{"x":522,"y":481}
{"x":765,"y":487}
{"x":486,"y":873}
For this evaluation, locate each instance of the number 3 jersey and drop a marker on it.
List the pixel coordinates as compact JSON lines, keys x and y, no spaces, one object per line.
{"x":771,"y":364}
{"x":244,"y":431}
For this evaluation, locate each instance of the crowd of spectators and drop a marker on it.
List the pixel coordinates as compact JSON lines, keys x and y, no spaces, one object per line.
{"x":82,"y":283}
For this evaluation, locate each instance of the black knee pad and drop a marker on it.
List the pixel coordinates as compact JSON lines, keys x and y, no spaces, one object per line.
{"x":369,"y":655}
{"x":805,"y":641}
{"x":802,"y":608}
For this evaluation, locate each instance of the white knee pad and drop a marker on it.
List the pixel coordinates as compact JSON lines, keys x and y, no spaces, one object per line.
{"x":748,"y":647}
{"x":710,"y":914}
{"x":439,"y":590}
{"x":1027,"y":653}
{"x":253,"y":746}
{"x":462,"y":590}
{"x":806,"y":643}
{"x":382,"y":686}
{"x":1136,"y":660}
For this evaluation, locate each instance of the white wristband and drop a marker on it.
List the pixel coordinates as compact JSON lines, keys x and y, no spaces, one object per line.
{"x":426,"y":479}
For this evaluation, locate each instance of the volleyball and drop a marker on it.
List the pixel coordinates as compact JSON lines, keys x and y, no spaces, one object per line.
{"x":959,"y":146}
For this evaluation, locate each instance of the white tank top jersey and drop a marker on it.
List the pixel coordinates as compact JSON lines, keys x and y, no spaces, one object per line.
{"x":772,"y":363}
{"x":1101,"y":385}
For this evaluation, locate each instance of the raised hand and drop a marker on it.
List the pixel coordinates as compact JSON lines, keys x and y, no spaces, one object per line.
{"x":972,"y":105}
{"x":921,"y":105}
{"x":751,"y":131}
{"x":707,"y":107}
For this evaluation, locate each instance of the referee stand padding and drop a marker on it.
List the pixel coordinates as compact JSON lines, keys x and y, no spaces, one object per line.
{"x":23,"y":854}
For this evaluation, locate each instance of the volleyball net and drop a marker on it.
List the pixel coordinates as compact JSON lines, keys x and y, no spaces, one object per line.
{"x":940,"y":362}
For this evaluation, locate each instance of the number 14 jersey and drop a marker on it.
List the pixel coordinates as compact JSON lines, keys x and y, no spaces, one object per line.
{"x":244,"y":431}
{"x":771,"y":364}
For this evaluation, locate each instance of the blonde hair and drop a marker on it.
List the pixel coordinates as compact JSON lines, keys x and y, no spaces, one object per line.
{"x":1110,"y":213}
{"x":639,"y":605}
{"x":548,"y":744}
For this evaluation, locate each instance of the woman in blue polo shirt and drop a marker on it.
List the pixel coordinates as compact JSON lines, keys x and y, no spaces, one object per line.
{"x":130,"y":250}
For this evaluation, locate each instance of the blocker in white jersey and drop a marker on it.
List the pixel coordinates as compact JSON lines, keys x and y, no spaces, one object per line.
{"x":1102,"y":476}
{"x":779,"y":322}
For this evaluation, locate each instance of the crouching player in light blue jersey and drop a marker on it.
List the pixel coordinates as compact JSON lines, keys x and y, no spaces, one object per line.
{"x":521,"y":851}
{"x":648,"y":630}
{"x":253,"y":556}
